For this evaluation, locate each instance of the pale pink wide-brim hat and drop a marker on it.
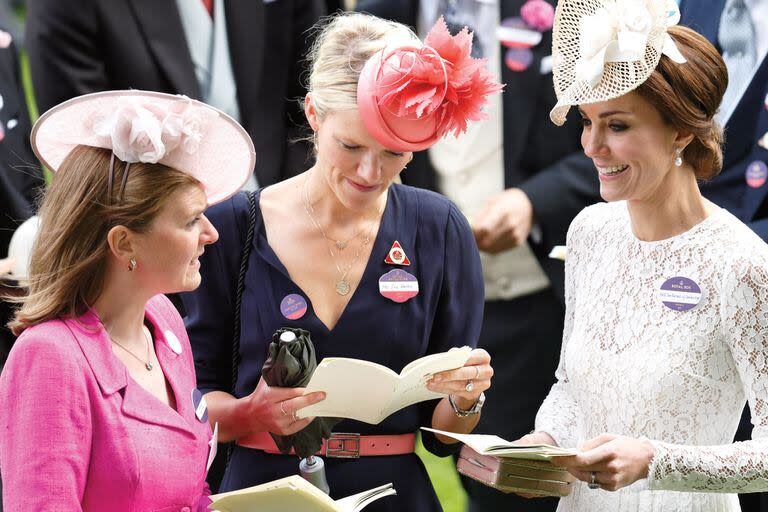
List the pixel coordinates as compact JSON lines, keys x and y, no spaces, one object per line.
{"x":144,"y":126}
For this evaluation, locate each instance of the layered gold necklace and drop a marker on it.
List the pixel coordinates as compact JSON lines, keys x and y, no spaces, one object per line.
{"x":342,"y":285}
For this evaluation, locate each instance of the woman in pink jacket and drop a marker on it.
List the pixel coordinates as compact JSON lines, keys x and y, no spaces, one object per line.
{"x":99,"y":403}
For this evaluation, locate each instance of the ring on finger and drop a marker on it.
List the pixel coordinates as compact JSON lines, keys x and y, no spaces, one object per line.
{"x":470,"y":386}
{"x":477,"y":372}
{"x":593,"y":483}
{"x":283,"y":410}
{"x":295,"y":419}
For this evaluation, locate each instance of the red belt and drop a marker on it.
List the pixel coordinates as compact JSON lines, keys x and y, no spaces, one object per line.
{"x":341,"y":445}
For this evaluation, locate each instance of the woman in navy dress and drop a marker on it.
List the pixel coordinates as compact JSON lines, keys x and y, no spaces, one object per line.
{"x":325,"y":238}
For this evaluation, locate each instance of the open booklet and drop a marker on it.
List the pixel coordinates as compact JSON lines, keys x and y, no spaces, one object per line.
{"x":293,"y":494}
{"x":369,"y":392}
{"x":498,"y":447}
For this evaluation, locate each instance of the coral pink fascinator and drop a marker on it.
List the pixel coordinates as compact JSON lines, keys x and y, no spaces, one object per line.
{"x":411,"y":96}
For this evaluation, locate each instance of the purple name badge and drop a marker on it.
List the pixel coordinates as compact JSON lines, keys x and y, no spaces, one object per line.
{"x":398,"y":285}
{"x":757,"y":173}
{"x":200,"y":406}
{"x":293,"y":306}
{"x":680,"y":293}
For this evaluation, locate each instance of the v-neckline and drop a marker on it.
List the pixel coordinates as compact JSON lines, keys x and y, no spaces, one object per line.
{"x":278,"y":263}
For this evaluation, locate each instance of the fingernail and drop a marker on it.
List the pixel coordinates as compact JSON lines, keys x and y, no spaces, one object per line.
{"x":321,"y":397}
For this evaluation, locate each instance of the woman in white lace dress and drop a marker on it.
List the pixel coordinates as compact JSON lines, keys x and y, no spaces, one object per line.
{"x":666,"y":332}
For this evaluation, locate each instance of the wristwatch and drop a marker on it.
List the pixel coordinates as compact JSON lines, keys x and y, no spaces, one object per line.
{"x":475,"y":409}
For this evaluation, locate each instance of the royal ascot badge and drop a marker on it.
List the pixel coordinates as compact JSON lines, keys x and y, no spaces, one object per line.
{"x":5,"y":39}
{"x":172,"y":341}
{"x":398,"y":285}
{"x":293,"y":306}
{"x":757,"y":173}
{"x":680,"y":294}
{"x":521,"y":33}
{"x":397,"y":256}
{"x":199,"y":405}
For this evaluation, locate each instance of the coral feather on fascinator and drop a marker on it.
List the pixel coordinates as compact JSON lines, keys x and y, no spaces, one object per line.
{"x":411,"y":96}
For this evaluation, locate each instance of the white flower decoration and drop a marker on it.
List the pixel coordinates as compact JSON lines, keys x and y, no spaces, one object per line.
{"x":619,"y":32}
{"x":147,"y":133}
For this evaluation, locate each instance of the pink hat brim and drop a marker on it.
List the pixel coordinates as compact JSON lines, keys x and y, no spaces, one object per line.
{"x":223,"y":161}
{"x":393,"y":132}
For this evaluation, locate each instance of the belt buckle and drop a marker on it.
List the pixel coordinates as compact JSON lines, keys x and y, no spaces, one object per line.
{"x":343,"y":445}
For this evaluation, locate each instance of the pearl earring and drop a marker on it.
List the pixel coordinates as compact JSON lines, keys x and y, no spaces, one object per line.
{"x":679,"y":157}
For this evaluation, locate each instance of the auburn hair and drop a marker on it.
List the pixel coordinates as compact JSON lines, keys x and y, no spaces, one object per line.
{"x":69,"y":256}
{"x":688,"y":96}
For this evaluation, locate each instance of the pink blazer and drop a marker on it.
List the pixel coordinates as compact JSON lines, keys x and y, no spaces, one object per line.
{"x":78,"y":433}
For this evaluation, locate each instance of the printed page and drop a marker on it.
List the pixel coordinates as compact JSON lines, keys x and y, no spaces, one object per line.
{"x":355,"y":389}
{"x":498,"y":447}
{"x":412,"y":387}
{"x":285,"y":495}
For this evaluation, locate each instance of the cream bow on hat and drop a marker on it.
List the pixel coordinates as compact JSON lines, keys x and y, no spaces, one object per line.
{"x":603,"y":49}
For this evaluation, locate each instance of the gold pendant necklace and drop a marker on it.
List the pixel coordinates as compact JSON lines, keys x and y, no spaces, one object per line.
{"x":148,"y":362}
{"x":342,"y":286}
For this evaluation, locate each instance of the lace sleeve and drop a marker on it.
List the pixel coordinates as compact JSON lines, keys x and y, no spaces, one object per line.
{"x":742,"y":466}
{"x":558,"y":416}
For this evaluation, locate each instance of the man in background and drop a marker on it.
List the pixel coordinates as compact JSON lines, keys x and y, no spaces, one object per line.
{"x":243,"y":57}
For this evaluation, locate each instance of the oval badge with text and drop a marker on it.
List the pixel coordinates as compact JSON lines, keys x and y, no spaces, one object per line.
{"x":680,"y":293}
{"x":398,"y":285}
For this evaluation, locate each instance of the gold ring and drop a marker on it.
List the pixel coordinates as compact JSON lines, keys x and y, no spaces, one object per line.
{"x":283,"y":410}
{"x":295,"y":419}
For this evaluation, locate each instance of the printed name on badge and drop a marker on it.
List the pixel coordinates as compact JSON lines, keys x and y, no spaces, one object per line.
{"x":398,"y":285}
{"x":293,"y":306}
{"x":680,"y":293}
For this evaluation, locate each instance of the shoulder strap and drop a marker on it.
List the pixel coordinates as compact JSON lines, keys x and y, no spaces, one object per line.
{"x":247,"y":245}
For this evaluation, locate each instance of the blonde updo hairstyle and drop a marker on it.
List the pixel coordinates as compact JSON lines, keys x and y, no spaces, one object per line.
{"x":342,"y":47}
{"x":69,"y":257}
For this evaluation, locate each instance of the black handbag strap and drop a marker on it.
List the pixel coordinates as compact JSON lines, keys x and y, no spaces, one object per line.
{"x":247,"y":245}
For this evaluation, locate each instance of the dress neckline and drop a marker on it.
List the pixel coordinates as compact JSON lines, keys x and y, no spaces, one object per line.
{"x":693,"y":230}
{"x":267,"y":252}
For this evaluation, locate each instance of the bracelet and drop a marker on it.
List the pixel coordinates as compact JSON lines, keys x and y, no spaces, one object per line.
{"x":475,"y":409}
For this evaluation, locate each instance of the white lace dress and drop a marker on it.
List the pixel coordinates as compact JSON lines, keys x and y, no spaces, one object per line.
{"x":630,"y":365}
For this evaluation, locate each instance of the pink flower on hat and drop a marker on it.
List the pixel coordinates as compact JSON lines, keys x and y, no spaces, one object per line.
{"x":184,"y":127}
{"x":441,"y":78}
{"x":135,"y":134}
{"x":147,"y":133}
{"x":538,"y":14}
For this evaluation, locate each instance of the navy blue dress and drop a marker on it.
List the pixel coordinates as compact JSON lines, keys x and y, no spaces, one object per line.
{"x":446,"y":313}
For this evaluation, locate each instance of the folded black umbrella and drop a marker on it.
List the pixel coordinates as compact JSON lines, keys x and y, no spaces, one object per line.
{"x":290,"y":364}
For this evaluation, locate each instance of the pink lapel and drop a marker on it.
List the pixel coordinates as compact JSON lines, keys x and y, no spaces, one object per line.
{"x":112,"y":375}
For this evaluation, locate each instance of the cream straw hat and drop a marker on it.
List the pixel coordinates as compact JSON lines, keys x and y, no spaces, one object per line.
{"x":603,"y":49}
